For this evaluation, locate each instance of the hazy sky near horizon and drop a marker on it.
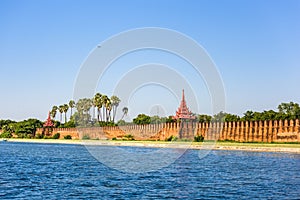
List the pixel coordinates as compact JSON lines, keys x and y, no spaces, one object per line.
{"x":254,"y":44}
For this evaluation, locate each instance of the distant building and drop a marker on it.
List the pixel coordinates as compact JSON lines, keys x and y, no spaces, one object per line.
{"x":48,"y":126}
{"x":183,"y":111}
{"x":49,"y":122}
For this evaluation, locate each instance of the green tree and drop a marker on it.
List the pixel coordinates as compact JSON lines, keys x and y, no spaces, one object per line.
{"x":79,"y":106}
{"x":115,"y":101}
{"x":8,"y":128}
{"x":248,"y":116}
{"x":225,"y":117}
{"x":125,"y":112}
{"x":87,"y":105}
{"x":26,"y":128}
{"x":98,"y":103}
{"x":260,"y":116}
{"x":142,"y":119}
{"x":6,"y":123}
{"x":170,"y":119}
{"x":57,"y":124}
{"x":69,"y":124}
{"x":53,"y":112}
{"x":65,"y":110}
{"x":83,"y":107}
{"x":121,"y":122}
{"x":257,"y":116}
{"x":108,"y":107}
{"x":72,"y":105}
{"x":220,"y":117}
{"x":156,"y":119}
{"x":5,"y":135}
{"x":269,"y":115}
{"x":105,"y":103}
{"x":204,"y":118}
{"x":231,"y":118}
{"x":289,"y":110}
{"x":61,"y":110}
{"x":80,"y":120}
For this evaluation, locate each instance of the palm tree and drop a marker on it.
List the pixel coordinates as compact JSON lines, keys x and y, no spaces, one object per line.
{"x":125,"y":111}
{"x":88,"y":103}
{"x":108,"y":107}
{"x":65,"y":110}
{"x":53,"y":111}
{"x":83,"y":107}
{"x":71,"y":105}
{"x":61,"y":110}
{"x":115,"y":101}
{"x":94,"y":106}
{"x":98,"y":104}
{"x":104,"y":101}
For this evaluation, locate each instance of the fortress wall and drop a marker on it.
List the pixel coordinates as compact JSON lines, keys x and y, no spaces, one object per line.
{"x":73,"y":132}
{"x":249,"y":131}
{"x":151,"y":131}
{"x":68,"y":131}
{"x":257,"y":131}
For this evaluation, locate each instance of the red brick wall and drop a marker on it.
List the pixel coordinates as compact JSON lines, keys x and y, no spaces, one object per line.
{"x":262,"y":131}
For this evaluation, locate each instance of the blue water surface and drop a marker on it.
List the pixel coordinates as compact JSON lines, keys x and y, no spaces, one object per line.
{"x":58,"y":171}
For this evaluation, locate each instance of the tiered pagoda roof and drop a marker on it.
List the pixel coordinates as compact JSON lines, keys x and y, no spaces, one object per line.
{"x":49,"y":122}
{"x":183,"y":111}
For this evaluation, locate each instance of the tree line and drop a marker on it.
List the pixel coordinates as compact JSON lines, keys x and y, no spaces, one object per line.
{"x":104,"y":107}
{"x":287,"y":111}
{"x":22,"y":129}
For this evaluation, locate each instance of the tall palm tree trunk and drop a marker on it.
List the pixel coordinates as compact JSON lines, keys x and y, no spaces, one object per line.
{"x":93,"y":112}
{"x":107,"y":116}
{"x":114,"y":113}
{"x":123,"y":116}
{"x":99,"y":116}
{"x":103,"y":113}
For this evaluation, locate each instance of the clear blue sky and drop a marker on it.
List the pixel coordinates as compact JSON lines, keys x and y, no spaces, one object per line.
{"x":255,"y":45}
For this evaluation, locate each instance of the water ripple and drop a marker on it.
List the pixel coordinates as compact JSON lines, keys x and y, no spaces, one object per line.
{"x":50,"y":171}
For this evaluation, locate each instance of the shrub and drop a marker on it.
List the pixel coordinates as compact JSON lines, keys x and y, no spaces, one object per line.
{"x":171,"y":138}
{"x":101,"y":124}
{"x":68,"y":137}
{"x":198,"y":138}
{"x":69,"y":124}
{"x":39,"y":136}
{"x":121,"y":122}
{"x":142,"y":119}
{"x":86,"y":137}
{"x":6,"y":135}
{"x":128,"y":137}
{"x":114,"y":138}
{"x":56,"y":136}
{"x":29,"y":136}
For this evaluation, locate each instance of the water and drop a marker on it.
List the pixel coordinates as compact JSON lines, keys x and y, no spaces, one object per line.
{"x":57,"y":171}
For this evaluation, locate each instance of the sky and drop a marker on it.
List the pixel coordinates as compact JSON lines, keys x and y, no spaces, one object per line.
{"x":254,"y":44}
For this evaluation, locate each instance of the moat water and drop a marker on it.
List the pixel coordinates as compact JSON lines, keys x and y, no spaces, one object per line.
{"x":58,"y":171}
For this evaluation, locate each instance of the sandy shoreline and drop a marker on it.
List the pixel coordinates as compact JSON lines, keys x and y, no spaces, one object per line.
{"x":255,"y":147}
